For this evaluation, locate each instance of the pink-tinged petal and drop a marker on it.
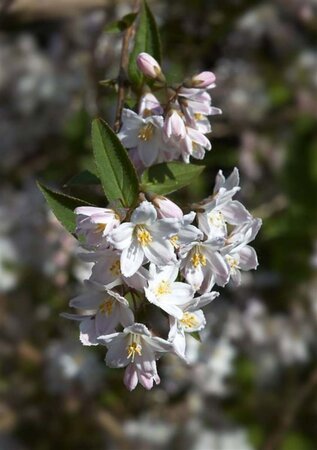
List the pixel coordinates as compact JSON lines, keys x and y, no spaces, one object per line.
{"x":130,"y":378}
{"x":126,"y":316}
{"x":159,"y":345}
{"x":88,"y":335}
{"x":117,"y":355}
{"x":248,"y":258}
{"x":149,"y":104}
{"x":165,"y":228}
{"x":204,"y":79}
{"x":148,"y":152}
{"x":166,"y":208}
{"x":235,"y":277}
{"x":179,"y":342}
{"x":218,"y":267}
{"x":121,"y":237}
{"x":106,"y":324}
{"x":145,"y":213}
{"x":199,"y":138}
{"x":194,"y":276}
{"x":204,"y":300}
{"x":148,"y":65}
{"x":235,"y":213}
{"x":146,"y":380}
{"x":160,"y":252}
{"x":138,"y":280}
{"x":131,"y":259}
{"x":89,"y":300}
{"x":174,"y":126}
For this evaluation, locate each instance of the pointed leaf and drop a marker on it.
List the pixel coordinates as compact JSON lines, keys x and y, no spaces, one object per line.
{"x":116,"y":171}
{"x":147,"y":40}
{"x":165,"y":178}
{"x":63,"y":206}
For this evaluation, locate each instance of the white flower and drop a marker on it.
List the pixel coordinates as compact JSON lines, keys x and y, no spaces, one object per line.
{"x":192,"y":320}
{"x":106,"y":309}
{"x":164,"y":292}
{"x":107,"y":270}
{"x":143,"y":133}
{"x":203,"y":265}
{"x":144,"y":237}
{"x":94,"y":224}
{"x":150,"y":106}
{"x":237,"y":253}
{"x":221,"y":209}
{"x":136,"y":349}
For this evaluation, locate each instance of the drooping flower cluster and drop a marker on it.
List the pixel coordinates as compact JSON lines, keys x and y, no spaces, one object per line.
{"x":173,"y":128}
{"x":156,"y":257}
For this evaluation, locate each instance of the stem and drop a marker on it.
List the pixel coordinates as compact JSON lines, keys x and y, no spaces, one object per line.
{"x":122,"y":77}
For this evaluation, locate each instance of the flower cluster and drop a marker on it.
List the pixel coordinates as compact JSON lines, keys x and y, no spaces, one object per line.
{"x":173,"y":128}
{"x":155,"y":257}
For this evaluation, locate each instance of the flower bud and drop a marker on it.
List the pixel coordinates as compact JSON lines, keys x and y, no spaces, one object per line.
{"x":166,"y":208}
{"x":204,"y":80}
{"x":174,"y":125}
{"x":149,"y":66}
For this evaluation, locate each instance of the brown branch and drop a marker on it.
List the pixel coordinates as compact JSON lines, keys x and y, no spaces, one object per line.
{"x":274,"y":441}
{"x":124,"y":61}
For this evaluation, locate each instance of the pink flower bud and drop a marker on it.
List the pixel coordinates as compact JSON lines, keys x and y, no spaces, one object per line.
{"x":166,"y":208}
{"x":174,"y":126}
{"x":149,"y":66}
{"x":204,"y":80}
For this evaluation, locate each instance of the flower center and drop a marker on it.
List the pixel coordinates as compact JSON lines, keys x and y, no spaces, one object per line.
{"x":198,"y":259}
{"x":216,"y":219}
{"x":143,"y":236}
{"x":146,"y":132}
{"x":134,"y":348}
{"x":100,"y":227}
{"x":198,"y":116}
{"x":189,"y":320}
{"x":115,"y":268}
{"x":106,"y":307}
{"x":175,"y":241}
{"x":163,"y":288}
{"x":233,"y":263}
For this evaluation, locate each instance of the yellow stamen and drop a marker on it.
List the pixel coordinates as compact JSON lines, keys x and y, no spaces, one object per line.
{"x":115,"y":268}
{"x":163,"y":288}
{"x":106,"y":307}
{"x":216,"y":219}
{"x":233,"y":263}
{"x":189,"y":320}
{"x":143,"y":236}
{"x":198,"y":116}
{"x":100,"y":227}
{"x":133,"y":349}
{"x":198,"y":259}
{"x":175,"y":241}
{"x":146,"y":132}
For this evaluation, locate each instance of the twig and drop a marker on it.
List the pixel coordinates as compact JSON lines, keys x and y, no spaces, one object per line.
{"x":274,"y":441}
{"x":124,"y":60}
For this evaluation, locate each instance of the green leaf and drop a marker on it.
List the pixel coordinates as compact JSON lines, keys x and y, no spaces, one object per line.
{"x":122,"y":24}
{"x":196,"y":335}
{"x":83,"y":178}
{"x":63,"y":206}
{"x":116,"y":171}
{"x":147,"y":40}
{"x":165,"y":178}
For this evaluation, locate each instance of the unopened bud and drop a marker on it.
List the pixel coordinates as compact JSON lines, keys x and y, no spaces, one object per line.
{"x":204,"y":80}
{"x":149,"y":66}
{"x":166,"y":208}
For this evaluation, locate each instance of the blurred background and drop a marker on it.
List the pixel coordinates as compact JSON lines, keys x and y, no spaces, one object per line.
{"x":253,"y":381}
